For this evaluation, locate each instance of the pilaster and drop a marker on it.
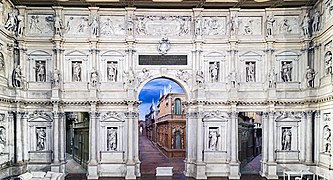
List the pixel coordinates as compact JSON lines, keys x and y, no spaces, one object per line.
{"x":309,"y":135}
{"x":271,"y":165}
{"x":56,"y":142}
{"x":234,"y":172}
{"x":92,"y":165}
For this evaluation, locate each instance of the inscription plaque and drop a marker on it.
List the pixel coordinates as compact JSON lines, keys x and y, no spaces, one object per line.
{"x":162,"y":59}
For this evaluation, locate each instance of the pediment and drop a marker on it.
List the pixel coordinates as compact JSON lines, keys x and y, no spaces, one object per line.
{"x":112,"y":53}
{"x":215,"y":116}
{"x":250,"y":54}
{"x":39,"y":116}
{"x":288,"y":53}
{"x":214,"y":55}
{"x":39,"y":53}
{"x":288,"y":116}
{"x":76,"y":53}
{"x":113,"y":117}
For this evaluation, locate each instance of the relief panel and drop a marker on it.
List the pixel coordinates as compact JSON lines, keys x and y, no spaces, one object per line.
{"x":77,"y":25}
{"x":287,"y":25}
{"x":212,"y":26}
{"x":250,"y":25}
{"x":40,"y":25}
{"x":112,"y":25}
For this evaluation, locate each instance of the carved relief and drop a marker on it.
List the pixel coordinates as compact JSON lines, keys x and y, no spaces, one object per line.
{"x":143,"y":75}
{"x":77,"y":25}
{"x":286,"y":114}
{"x":37,"y":114}
{"x":286,"y":138}
{"x":163,"y":25}
{"x":269,"y":25}
{"x":250,"y":71}
{"x":94,"y":25}
{"x":328,"y":62}
{"x":286,"y":71}
{"x":112,"y":138}
{"x":183,"y":75}
{"x":58,"y":26}
{"x":118,"y":115}
{"x":41,"y":138}
{"x":129,"y":78}
{"x":249,"y":26}
{"x":112,"y":71}
{"x":40,"y":25}
{"x":316,"y":21}
{"x":55,"y":78}
{"x":327,"y":116}
{"x":233,"y":79}
{"x":287,"y":25}
{"x":213,"y":26}
{"x":2,"y":139}
{"x":76,"y":69}
{"x":214,"y":71}
{"x":213,"y":138}
{"x":11,"y":22}
{"x":112,"y":25}
{"x":40,"y":71}
{"x":2,"y":117}
{"x":164,"y":46}
{"x":233,"y":25}
{"x":327,"y":139}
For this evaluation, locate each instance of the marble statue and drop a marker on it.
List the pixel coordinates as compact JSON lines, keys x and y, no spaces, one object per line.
{"x":327,"y":117}
{"x":286,"y":139}
{"x":327,"y":139}
{"x":328,"y":62}
{"x":233,"y":79}
{"x":112,"y":139}
{"x":315,"y":21}
{"x":200,"y":80}
{"x":250,"y":72}
{"x":306,"y":25}
{"x":112,"y":71}
{"x":164,"y":46}
{"x":11,"y":23}
{"x":58,"y":25}
{"x":41,"y":139}
{"x":93,"y":77}
{"x":82,"y":25}
{"x":76,"y":72}
{"x":94,"y":24}
{"x":272,"y":79}
{"x":198,"y":26}
{"x":17,"y":77}
{"x":2,"y":62}
{"x":214,"y":72}
{"x":129,"y":77}
{"x":310,"y":76}
{"x":56,"y":77}
{"x":40,"y":71}
{"x":20,"y":25}
{"x":130,"y":26}
{"x":286,"y":72}
{"x":213,"y":139}
{"x":269,"y":25}
{"x":233,"y":25}
{"x":2,"y":139}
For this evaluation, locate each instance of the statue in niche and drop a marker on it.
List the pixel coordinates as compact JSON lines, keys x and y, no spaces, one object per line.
{"x":328,"y":62}
{"x":214,"y":72}
{"x":286,"y":71}
{"x":250,"y":72}
{"x":11,"y":22}
{"x":233,"y":79}
{"x":285,"y":27}
{"x":315,"y":21}
{"x":164,"y":46}
{"x":269,"y":25}
{"x":58,"y":25}
{"x":310,"y":76}
{"x":327,"y":139}
{"x":305,"y":25}
{"x":17,"y":77}
{"x":112,"y":71}
{"x":41,"y":139}
{"x":112,"y":139}
{"x":272,"y":79}
{"x":33,"y":24}
{"x":56,"y":77}
{"x":40,"y":71}
{"x":93,"y":77}
{"x":2,"y":62}
{"x":200,"y":80}
{"x":286,"y":139}
{"x":76,"y":71}
{"x":233,"y":25}
{"x":198,"y":26}
{"x":2,"y":139}
{"x":94,"y":24}
{"x":213,"y":139}
{"x":20,"y":25}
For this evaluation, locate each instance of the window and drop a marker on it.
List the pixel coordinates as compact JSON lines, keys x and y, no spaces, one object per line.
{"x":178,"y":106}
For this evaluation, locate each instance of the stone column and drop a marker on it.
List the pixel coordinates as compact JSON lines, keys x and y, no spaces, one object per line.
{"x":92,"y":165}
{"x":271,"y":164}
{"x":201,"y":166}
{"x":11,"y":140}
{"x":25,"y":132}
{"x":309,"y":144}
{"x":130,"y":164}
{"x":55,"y":164}
{"x":234,"y":163}
{"x":191,"y":117}
{"x":19,"y":141}
{"x":317,"y":137}
{"x":264,"y":148}
{"x":62,"y":137}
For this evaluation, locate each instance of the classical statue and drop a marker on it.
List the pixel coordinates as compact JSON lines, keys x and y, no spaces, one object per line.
{"x":56,"y":77}
{"x":112,"y":71}
{"x":286,"y":139}
{"x":233,"y":25}
{"x":198,"y":26}
{"x":76,"y":72}
{"x":17,"y":77}
{"x":93,"y":77}
{"x":94,"y":24}
{"x":305,"y":25}
{"x":130,"y":26}
{"x":328,"y":62}
{"x":310,"y":76}
{"x":41,"y":139}
{"x":11,"y":22}
{"x":250,"y":72}
{"x":58,"y":26}
{"x":20,"y":25}
{"x":272,"y":79}
{"x":269,"y":25}
{"x":315,"y":21}
{"x":327,"y":139}
{"x":40,"y":72}
{"x":111,"y":139}
{"x":213,"y":139}
{"x":233,"y":79}
{"x":2,"y":139}
{"x":214,"y":71}
{"x":200,"y":80}
{"x":286,"y":72}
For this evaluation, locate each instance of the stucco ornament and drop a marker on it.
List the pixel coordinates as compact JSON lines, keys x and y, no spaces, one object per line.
{"x":164,"y":46}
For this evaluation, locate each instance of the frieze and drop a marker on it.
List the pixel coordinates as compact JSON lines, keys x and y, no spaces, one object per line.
{"x":77,"y":25}
{"x":287,"y":25}
{"x":212,"y":26}
{"x":40,"y":25}
{"x":163,"y":25}
{"x":112,"y":25}
{"x":250,"y":25}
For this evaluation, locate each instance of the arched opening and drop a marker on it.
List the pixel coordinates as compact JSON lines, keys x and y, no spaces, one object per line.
{"x":163,"y":140}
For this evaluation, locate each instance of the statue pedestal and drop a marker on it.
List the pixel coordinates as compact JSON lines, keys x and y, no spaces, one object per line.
{"x":271,"y":93}
{"x":55,"y":92}
{"x":233,"y":93}
{"x":93,"y":92}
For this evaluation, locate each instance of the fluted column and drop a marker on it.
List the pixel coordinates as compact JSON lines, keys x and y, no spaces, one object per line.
{"x":309,"y":143}
{"x":19,"y":148}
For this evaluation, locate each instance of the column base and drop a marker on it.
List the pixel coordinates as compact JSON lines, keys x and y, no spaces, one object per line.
{"x":92,"y":172}
{"x":200,"y":171}
{"x":234,"y":171}
{"x":195,"y":170}
{"x":271,"y":170}
{"x":55,"y":167}
{"x":130,"y":171}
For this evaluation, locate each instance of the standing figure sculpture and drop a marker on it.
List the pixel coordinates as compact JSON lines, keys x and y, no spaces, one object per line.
{"x":250,"y":72}
{"x":233,"y":79}
{"x":93,"y":77}
{"x":17,"y":77}
{"x":327,"y":139}
{"x":233,"y":25}
{"x":286,"y":72}
{"x":41,"y":139}
{"x":58,"y":26}
{"x":305,"y":25}
{"x":56,"y":77}
{"x":112,"y":72}
{"x":40,"y":72}
{"x":11,"y":23}
{"x":272,"y":79}
{"x":213,"y":139}
{"x":214,"y":71}
{"x":269,"y":25}
{"x":310,"y":76}
{"x":94,"y":26}
{"x":111,"y":139}
{"x":76,"y":72}
{"x":315,"y":21}
{"x":286,"y":139}
{"x":20,"y":25}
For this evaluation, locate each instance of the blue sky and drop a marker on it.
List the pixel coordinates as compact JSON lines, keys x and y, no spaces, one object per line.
{"x":152,"y":91}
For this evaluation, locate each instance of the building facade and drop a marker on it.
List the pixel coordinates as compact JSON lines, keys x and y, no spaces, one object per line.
{"x":63,"y":59}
